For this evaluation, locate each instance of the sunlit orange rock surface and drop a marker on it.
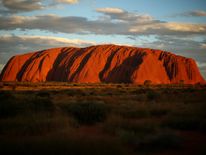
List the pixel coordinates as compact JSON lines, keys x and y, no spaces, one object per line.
{"x":102,"y":63}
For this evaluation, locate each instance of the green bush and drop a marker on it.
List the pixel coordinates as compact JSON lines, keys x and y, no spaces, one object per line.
{"x":202,"y":126}
{"x":182,"y":123}
{"x":6,"y":95}
{"x":160,"y":141}
{"x":38,"y":104}
{"x":1,"y":85}
{"x":62,"y":145}
{"x":43,"y":94}
{"x":128,"y":137}
{"x":134,"y":113}
{"x":87,"y":112}
{"x":159,"y":112}
{"x":157,"y":141}
{"x":181,"y":82}
{"x":9,"y":106}
{"x":33,"y":124}
{"x":147,"y":82}
{"x":114,"y":125}
{"x":152,"y":95}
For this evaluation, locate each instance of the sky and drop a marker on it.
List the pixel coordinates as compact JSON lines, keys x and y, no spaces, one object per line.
{"x":178,"y":26}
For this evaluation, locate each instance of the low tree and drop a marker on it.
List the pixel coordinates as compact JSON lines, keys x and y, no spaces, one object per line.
{"x":13,"y":86}
{"x":1,"y":85}
{"x":181,"y":82}
{"x":147,"y":82}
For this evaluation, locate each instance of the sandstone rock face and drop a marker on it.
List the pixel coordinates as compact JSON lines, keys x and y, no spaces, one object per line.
{"x":102,"y":63}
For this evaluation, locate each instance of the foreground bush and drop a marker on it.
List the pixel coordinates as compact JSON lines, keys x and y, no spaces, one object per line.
{"x":39,"y":104}
{"x":87,"y":112}
{"x":118,"y":125}
{"x":152,"y":95}
{"x":12,"y":105}
{"x":160,"y":141}
{"x":9,"y":105}
{"x":62,"y":145}
{"x":182,"y":123}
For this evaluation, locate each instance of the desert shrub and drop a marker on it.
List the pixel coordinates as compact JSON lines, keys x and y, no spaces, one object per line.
{"x":201,"y":150}
{"x":89,"y":112}
{"x":9,"y":106}
{"x":128,"y":137}
{"x":191,"y":90}
{"x":63,"y":145}
{"x":181,"y":82}
{"x":13,"y":86}
{"x":43,"y":94}
{"x":152,"y":95}
{"x":202,"y":126}
{"x":33,"y":124}
{"x":156,"y":141}
{"x":188,"y":116}
{"x":5,"y":95}
{"x":74,"y":84}
{"x":1,"y":85}
{"x":159,"y":112}
{"x":139,"y":128}
{"x":119,"y":86}
{"x":147,"y":82}
{"x":38,"y":104}
{"x":198,"y":85}
{"x":159,"y":141}
{"x":116,"y":124}
{"x":181,"y":123}
{"x":133,"y":113}
{"x":70,"y":92}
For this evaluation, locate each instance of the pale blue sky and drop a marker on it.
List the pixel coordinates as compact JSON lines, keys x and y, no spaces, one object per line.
{"x":175,"y":25}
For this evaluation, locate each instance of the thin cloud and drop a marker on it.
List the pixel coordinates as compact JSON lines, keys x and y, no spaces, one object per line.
{"x":203,"y":46}
{"x":14,"y":6}
{"x":201,"y":64}
{"x":185,"y":46}
{"x":123,"y":15}
{"x":68,"y":1}
{"x":53,"y":23}
{"x":82,"y":25}
{"x":11,"y":43}
{"x":110,"y":10}
{"x":195,"y":13}
{"x":202,"y":67}
{"x":115,"y":21}
{"x":169,"y":28}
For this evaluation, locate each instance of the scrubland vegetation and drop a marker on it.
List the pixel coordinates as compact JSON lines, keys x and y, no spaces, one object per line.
{"x":102,"y":119}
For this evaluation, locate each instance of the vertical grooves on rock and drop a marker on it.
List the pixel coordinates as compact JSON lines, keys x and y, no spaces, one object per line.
{"x":189,"y":69}
{"x":22,"y":71}
{"x":170,"y":64}
{"x":107,"y":65}
{"x":56,"y":69}
{"x":103,"y":63}
{"x":122,"y":73}
{"x":82,"y":63}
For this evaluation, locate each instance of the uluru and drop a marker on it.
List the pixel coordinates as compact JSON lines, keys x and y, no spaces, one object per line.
{"x":102,"y":63}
